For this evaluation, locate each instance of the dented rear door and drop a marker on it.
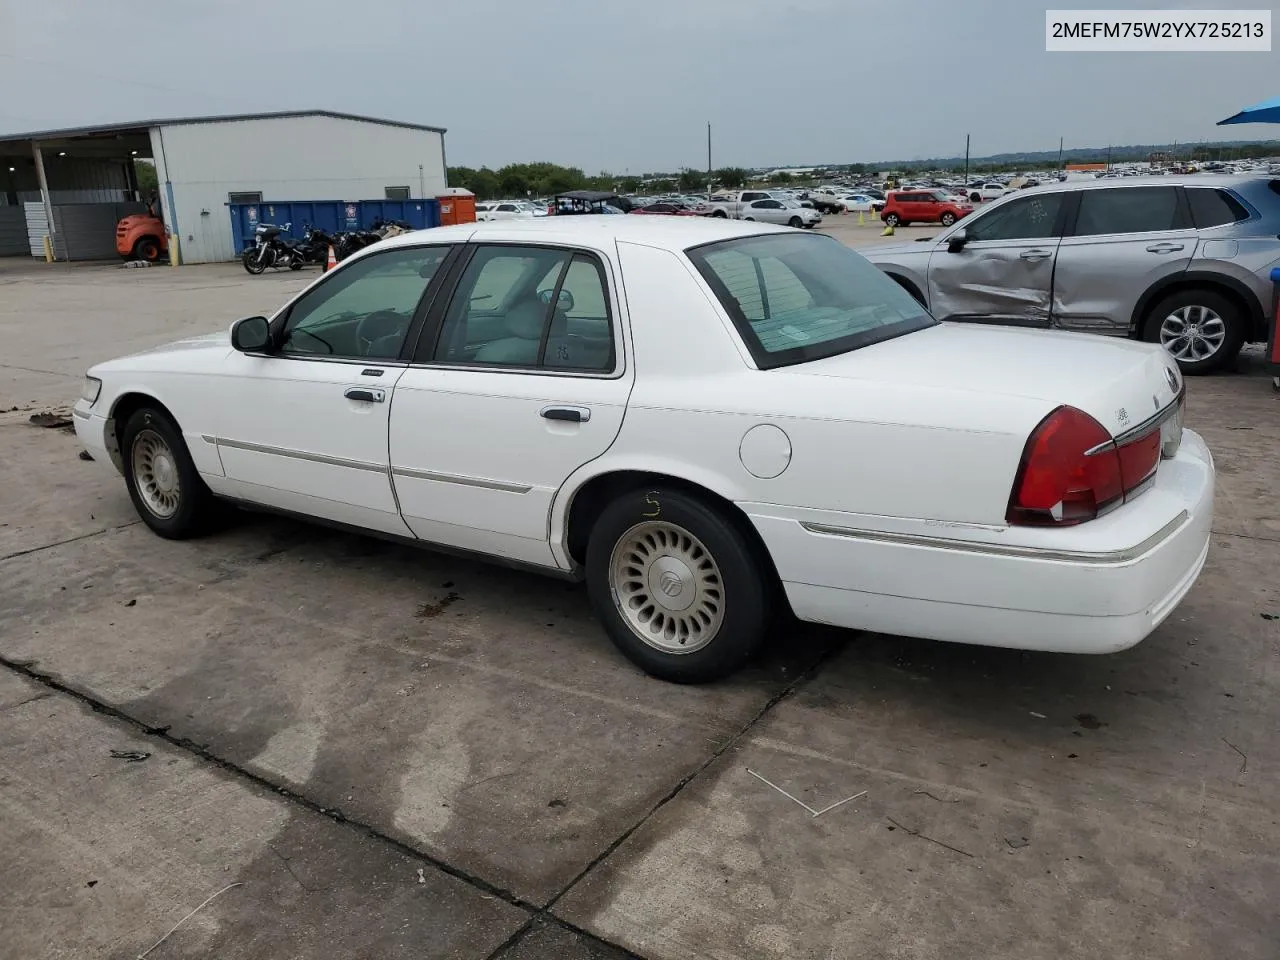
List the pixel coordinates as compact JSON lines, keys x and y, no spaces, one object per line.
{"x":1004,"y":272}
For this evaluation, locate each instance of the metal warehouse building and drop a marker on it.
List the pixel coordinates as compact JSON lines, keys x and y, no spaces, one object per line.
{"x":73,"y":185}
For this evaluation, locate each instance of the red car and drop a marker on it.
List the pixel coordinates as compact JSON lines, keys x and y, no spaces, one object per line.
{"x":903,"y":207}
{"x":670,"y":209}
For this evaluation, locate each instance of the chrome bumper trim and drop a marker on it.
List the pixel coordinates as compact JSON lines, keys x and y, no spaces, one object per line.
{"x":1005,"y":550}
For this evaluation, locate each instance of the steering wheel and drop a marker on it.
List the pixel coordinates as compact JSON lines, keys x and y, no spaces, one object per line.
{"x":379,"y":325}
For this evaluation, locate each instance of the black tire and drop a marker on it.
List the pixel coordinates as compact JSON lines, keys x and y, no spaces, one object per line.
{"x":251,"y":263}
{"x":795,"y":222}
{"x":720,"y":213}
{"x":295,"y":264}
{"x":749,"y":219}
{"x":745,"y":585}
{"x":147,"y":248}
{"x":1228,"y":310}
{"x":975,"y":198}
{"x":892,"y":219}
{"x":947,"y":219}
{"x":195,"y":508}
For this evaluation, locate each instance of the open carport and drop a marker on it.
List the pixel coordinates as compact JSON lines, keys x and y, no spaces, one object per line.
{"x":71,"y":187}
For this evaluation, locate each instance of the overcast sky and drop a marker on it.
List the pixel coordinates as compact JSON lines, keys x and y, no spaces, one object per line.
{"x":630,"y":84}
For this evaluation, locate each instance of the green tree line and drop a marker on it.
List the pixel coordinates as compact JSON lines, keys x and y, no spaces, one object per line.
{"x":544,"y":179}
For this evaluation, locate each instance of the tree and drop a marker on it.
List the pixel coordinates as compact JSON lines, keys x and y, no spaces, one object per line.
{"x":692,"y":180}
{"x":148,"y":182}
{"x":782,"y":176}
{"x":731,"y":177}
{"x":629,"y":184}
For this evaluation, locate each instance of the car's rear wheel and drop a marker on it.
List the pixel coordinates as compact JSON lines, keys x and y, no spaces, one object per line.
{"x":720,"y":213}
{"x":892,"y":219}
{"x":163,"y":482}
{"x":947,"y":219}
{"x":1201,"y":329}
{"x":975,"y":198}
{"x":678,"y":586}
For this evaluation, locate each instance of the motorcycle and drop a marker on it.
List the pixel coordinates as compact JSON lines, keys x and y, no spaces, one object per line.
{"x":271,"y":249}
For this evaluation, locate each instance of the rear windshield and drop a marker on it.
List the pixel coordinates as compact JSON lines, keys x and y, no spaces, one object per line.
{"x":799,"y":296}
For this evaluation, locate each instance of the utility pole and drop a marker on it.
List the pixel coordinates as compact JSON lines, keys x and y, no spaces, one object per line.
{"x":708,"y":161}
{"x":966,"y":161}
{"x":1108,"y":158}
{"x":1060,"y":139}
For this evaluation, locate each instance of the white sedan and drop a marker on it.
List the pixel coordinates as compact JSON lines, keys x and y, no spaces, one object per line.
{"x":707,"y":420}
{"x":861,"y":203}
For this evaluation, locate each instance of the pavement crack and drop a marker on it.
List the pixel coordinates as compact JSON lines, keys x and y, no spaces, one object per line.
{"x":62,"y":543}
{"x":30,"y":672}
{"x":285,"y":861}
{"x":1246,"y":536}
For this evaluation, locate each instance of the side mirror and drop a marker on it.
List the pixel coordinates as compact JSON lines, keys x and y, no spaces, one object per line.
{"x":251,"y":335}
{"x":956,"y":242}
{"x":565,"y":303}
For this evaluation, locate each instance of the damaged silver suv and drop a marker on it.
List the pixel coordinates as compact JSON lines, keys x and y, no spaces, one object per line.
{"x":1180,"y":261}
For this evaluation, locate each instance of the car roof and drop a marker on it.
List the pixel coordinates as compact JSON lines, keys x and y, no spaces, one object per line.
{"x":669,"y":233}
{"x":1168,"y":180}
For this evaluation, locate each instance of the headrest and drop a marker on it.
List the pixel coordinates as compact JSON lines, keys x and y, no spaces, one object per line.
{"x":525,"y":319}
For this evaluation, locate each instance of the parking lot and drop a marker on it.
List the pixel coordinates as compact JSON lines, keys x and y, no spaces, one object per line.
{"x":362,"y":750}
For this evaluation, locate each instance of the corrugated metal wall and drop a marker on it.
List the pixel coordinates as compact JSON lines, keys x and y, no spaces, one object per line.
{"x":38,"y":229}
{"x":285,"y":159}
{"x":85,"y":231}
{"x":13,"y":231}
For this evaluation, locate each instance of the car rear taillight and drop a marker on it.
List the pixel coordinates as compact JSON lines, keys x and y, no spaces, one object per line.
{"x":1072,"y":470}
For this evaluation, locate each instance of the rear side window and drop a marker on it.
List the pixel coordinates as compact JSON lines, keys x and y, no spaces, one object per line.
{"x":1129,"y":210}
{"x":1214,"y":208}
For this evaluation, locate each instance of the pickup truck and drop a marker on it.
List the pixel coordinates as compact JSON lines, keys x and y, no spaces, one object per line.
{"x":734,"y":205}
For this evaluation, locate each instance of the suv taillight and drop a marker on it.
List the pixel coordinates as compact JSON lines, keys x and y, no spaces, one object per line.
{"x":1072,"y":470}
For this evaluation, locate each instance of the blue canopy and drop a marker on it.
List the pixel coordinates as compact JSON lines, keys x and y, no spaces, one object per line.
{"x":1268,"y":111}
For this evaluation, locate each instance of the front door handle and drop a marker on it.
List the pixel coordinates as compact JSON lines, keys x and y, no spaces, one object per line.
{"x":1164,"y":248}
{"x":1035,"y":255}
{"x":569,"y":414}
{"x":365,"y":394}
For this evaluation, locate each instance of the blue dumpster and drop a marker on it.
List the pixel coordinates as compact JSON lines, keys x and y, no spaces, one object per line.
{"x":331,"y":216}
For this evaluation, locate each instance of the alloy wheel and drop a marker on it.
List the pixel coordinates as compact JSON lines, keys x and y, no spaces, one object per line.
{"x":667,"y":586}
{"x":155,"y":472}
{"x":1192,"y":333}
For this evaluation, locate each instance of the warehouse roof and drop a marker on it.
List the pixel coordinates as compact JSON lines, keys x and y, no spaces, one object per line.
{"x":141,"y":126}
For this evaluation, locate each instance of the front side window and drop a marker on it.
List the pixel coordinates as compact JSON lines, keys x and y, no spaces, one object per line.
{"x":1026,"y":218}
{"x":362,"y":311}
{"x":529,"y":307}
{"x":804,"y":297}
{"x":1129,"y":210}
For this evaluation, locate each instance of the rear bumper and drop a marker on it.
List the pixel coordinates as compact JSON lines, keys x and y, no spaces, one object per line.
{"x":1097,"y":588}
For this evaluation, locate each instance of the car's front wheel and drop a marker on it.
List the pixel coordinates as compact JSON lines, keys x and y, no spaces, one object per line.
{"x":795,"y":222}
{"x":947,"y":219}
{"x":1201,"y":329}
{"x":163,"y":482}
{"x":677,"y":585}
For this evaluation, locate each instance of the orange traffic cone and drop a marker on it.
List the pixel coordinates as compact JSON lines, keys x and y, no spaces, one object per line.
{"x":332,"y":261}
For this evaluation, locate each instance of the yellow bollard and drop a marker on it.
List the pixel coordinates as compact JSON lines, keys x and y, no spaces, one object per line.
{"x":862,"y":219}
{"x":48,"y":249}
{"x":174,"y":258}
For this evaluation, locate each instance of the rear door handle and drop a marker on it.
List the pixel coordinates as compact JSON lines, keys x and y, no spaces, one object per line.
{"x":1164,"y":247}
{"x":569,"y":414}
{"x":1034,"y":255}
{"x":365,"y":394}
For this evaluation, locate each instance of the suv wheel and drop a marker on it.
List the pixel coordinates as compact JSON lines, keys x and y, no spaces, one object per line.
{"x":975,"y":198}
{"x":892,"y":219}
{"x":1201,"y":329}
{"x":947,"y":219}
